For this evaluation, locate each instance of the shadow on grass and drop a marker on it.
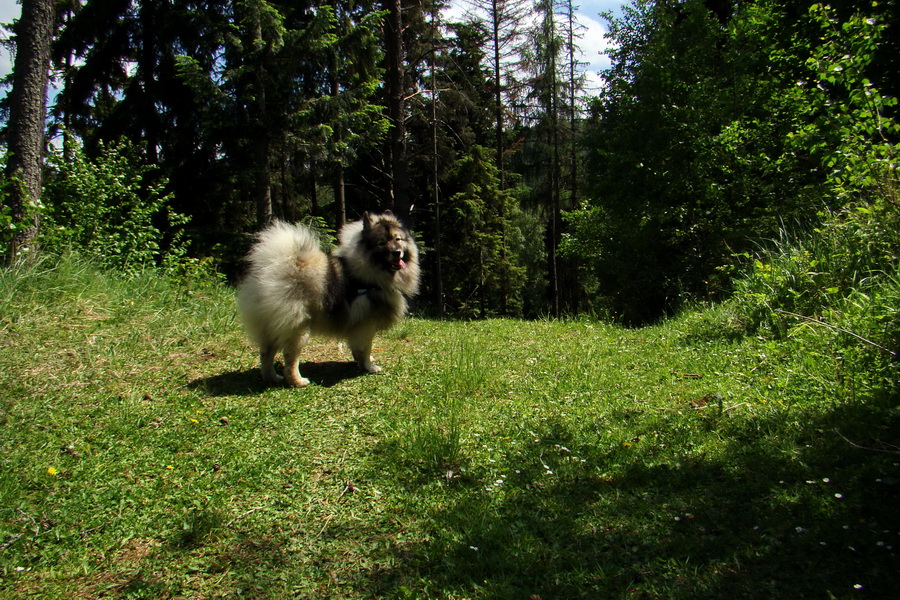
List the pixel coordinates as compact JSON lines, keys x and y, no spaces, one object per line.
{"x":811,"y":518}
{"x":250,"y":383}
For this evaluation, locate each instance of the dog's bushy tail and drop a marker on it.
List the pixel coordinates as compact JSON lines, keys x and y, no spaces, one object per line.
{"x":284,"y":283}
{"x":282,"y":242}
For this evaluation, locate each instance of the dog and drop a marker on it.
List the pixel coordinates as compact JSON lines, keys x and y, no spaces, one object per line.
{"x":293,"y":289}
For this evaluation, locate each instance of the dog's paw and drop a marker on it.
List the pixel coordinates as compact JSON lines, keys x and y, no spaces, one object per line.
{"x":272,"y":377}
{"x":370,"y":367}
{"x":297,"y":381}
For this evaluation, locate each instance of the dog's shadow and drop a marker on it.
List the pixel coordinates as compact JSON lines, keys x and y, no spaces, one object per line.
{"x":250,"y":383}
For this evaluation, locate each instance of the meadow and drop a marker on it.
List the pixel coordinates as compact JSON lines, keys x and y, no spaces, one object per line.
{"x":141,"y":456}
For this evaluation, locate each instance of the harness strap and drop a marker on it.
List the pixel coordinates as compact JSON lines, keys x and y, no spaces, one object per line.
{"x":355,"y":286}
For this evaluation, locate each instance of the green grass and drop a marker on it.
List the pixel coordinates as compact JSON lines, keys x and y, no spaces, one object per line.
{"x":142,"y":457}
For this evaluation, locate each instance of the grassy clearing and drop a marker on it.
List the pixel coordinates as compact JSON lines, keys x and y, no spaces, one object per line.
{"x":142,"y":457}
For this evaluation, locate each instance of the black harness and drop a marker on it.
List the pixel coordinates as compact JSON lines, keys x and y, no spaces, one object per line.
{"x":353,"y":286}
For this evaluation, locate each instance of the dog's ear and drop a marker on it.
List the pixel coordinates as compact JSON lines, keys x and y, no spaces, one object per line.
{"x":388,"y":213}
{"x":367,"y":221}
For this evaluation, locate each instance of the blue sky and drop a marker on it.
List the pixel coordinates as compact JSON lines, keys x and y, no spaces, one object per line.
{"x":592,"y":44}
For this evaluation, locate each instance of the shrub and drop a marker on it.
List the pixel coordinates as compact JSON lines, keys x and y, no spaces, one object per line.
{"x":110,"y":208}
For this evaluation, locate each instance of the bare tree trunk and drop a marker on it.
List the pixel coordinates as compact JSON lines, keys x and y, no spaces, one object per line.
{"x":501,"y":150}
{"x":398,"y":200}
{"x":573,"y":108}
{"x":313,"y":190}
{"x":498,"y":93}
{"x":340,"y":193}
{"x":555,"y":175}
{"x":27,"y":113}
{"x":262,"y":188}
{"x":340,"y":196}
{"x":439,"y":280}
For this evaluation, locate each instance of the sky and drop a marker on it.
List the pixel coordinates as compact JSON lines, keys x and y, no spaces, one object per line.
{"x":9,"y":10}
{"x":592,"y":44}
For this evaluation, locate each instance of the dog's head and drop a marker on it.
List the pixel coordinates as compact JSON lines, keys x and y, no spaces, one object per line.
{"x":390,"y":244}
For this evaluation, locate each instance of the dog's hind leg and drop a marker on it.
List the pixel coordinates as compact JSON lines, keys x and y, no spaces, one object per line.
{"x":267,"y":354}
{"x":361,"y":347}
{"x":292,"y":360}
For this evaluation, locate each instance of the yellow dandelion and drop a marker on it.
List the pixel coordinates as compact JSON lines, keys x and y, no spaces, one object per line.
{"x":170,"y":467}
{"x":194,"y":421}
{"x":52,"y":471}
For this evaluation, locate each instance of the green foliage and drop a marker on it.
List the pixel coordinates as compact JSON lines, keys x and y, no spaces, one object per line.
{"x":795,"y":130}
{"x":850,"y":128}
{"x":830,"y":295}
{"x":841,"y":274}
{"x":9,"y":226}
{"x":112,"y":209}
{"x":479,"y":241}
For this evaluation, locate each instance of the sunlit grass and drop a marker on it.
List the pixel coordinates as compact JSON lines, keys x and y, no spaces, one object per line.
{"x":142,"y":457}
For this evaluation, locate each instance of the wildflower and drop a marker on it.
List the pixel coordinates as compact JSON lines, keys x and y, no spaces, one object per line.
{"x":195,"y":421}
{"x":52,"y":471}
{"x":170,"y":467}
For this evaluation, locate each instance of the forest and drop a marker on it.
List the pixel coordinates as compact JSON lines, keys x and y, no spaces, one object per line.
{"x":724,"y":132}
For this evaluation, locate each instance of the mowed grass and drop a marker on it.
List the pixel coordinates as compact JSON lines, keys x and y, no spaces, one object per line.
{"x":142,"y":457}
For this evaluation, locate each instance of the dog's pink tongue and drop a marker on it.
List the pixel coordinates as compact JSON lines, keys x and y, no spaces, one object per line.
{"x":401,"y":264}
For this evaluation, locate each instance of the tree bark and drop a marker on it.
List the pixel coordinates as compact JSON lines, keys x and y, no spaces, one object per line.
{"x":27,"y":114}
{"x":397,"y":200}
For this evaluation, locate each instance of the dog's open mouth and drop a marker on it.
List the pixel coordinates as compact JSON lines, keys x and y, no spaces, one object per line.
{"x":397,"y":264}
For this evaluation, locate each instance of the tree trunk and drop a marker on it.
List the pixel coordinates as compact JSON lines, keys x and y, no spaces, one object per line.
{"x":340,"y":196}
{"x":27,"y":113}
{"x":436,"y":198}
{"x":555,"y":174}
{"x":498,"y":93}
{"x":397,"y":200}
{"x":501,"y":150}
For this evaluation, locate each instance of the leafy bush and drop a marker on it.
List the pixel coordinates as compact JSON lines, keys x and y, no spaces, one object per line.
{"x":111,"y":209}
{"x":842,"y":274}
{"x":9,"y":225}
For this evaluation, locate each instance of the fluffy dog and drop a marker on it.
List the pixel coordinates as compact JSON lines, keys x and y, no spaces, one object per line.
{"x":292,"y":289}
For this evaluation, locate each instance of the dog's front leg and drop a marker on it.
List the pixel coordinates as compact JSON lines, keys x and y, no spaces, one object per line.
{"x":361,"y":347}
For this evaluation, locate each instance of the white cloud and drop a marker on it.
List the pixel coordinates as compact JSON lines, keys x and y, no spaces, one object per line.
{"x":594,"y":47}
